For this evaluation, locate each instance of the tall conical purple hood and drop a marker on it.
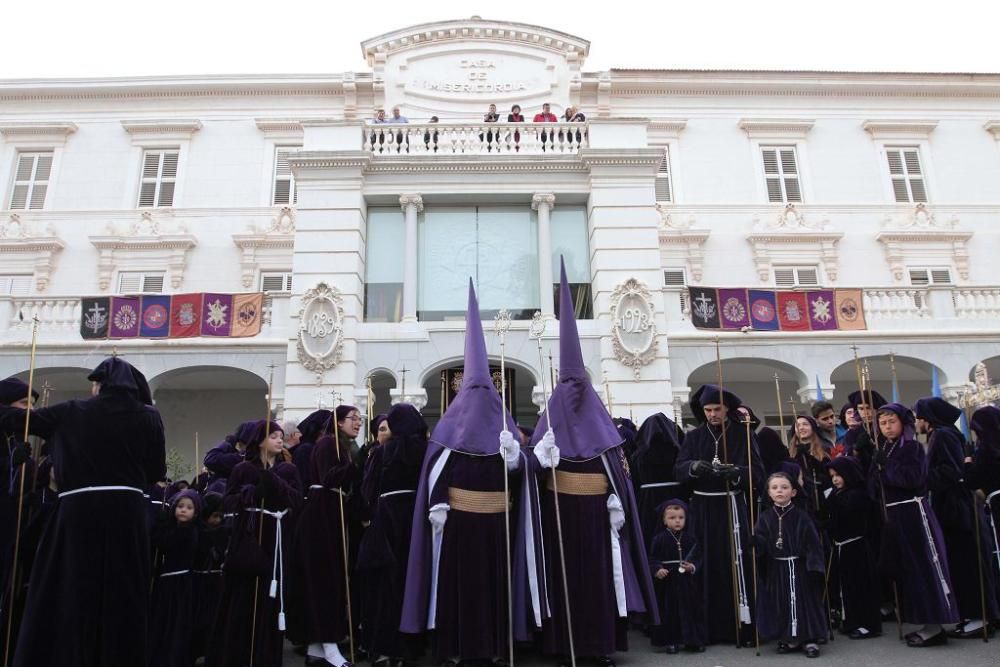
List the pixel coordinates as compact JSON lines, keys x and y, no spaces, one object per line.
{"x":581,"y":423}
{"x":472,"y":423}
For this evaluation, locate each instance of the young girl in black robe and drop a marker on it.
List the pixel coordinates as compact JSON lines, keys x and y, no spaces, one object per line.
{"x":790,"y":593}
{"x":674,"y":560}
{"x":260,"y":491}
{"x":853,"y":521}
{"x":172,"y":621}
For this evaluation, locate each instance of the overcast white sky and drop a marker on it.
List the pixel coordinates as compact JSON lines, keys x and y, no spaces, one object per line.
{"x":64,"y":38}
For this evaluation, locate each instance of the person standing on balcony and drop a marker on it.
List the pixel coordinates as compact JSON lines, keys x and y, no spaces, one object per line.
{"x":546,"y":116}
{"x":397,"y":117}
{"x":88,"y":600}
{"x":515,"y":115}
{"x":491,"y":116}
{"x":402,"y":140}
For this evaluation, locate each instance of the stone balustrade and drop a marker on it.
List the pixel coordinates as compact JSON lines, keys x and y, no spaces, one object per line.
{"x":475,"y":138}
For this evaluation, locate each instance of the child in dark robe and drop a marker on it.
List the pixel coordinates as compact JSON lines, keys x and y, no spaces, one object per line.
{"x":852,"y":523}
{"x":790,"y":593}
{"x":913,"y":551}
{"x":260,"y":491}
{"x":172,"y":619}
{"x":212,"y":542}
{"x":674,"y":559}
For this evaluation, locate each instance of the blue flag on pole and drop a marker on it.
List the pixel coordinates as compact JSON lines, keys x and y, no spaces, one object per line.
{"x":935,"y":382}
{"x":819,"y":389}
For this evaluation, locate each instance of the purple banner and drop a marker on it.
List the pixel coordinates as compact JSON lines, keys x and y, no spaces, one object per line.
{"x":734,"y":312}
{"x":124,"y":317}
{"x":216,"y":314}
{"x":822,"y":310}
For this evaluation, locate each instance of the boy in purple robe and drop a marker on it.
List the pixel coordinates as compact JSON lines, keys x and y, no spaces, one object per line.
{"x":578,"y":449}
{"x":790,"y":598}
{"x":717,"y":460}
{"x":105,"y":450}
{"x":674,"y":560}
{"x":456,"y":581}
{"x":913,"y":550}
{"x":953,"y":505}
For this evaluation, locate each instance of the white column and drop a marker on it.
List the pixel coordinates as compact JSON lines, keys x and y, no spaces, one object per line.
{"x":411,"y":205}
{"x":543,"y":203}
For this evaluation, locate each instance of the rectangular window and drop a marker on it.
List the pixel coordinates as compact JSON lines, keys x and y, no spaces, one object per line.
{"x":134,"y":282}
{"x":923,"y":276}
{"x":31,"y":180}
{"x":781,"y":174}
{"x":664,"y":185}
{"x":283,"y":192}
{"x":796,"y":276}
{"x":384,"y":264}
{"x":906,"y":174}
{"x":571,"y":242}
{"x":15,"y":285}
{"x":497,"y":246}
{"x":159,"y":178}
{"x":276,"y":281}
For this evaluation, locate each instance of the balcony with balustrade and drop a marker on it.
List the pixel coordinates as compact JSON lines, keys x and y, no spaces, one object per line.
{"x":465,"y":138}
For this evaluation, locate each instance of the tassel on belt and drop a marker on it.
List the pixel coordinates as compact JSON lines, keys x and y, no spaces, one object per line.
{"x":476,"y":502}
{"x":580,"y":483}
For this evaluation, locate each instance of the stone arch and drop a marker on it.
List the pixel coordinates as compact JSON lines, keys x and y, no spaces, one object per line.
{"x":525,"y":379}
{"x":64,"y":382}
{"x":913,"y":377}
{"x":752,"y":379}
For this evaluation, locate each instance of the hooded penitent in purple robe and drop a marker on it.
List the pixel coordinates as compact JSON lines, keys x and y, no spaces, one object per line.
{"x":983,"y":474}
{"x":88,"y":600}
{"x":719,"y":513}
{"x":456,"y":574}
{"x":913,"y":549}
{"x":953,"y":505}
{"x":249,"y":618}
{"x":607,"y":577}
{"x":390,"y":489}
{"x":652,"y":468}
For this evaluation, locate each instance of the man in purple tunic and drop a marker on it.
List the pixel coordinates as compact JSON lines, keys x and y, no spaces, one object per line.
{"x":578,"y":454}
{"x":456,"y":581}
{"x":716,"y":461}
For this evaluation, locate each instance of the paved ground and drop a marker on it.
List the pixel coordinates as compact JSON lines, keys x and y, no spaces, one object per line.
{"x":885,"y":651}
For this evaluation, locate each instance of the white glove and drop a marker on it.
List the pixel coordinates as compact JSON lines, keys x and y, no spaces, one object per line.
{"x":546,"y":451}
{"x":616,"y":513}
{"x":438,"y":515}
{"x":509,"y":450}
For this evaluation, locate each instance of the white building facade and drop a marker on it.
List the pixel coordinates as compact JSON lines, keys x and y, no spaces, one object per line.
{"x":364,"y":235}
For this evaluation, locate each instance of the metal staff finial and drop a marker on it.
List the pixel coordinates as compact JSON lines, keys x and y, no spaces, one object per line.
{"x":781,"y":411}
{"x":402,"y":390}
{"x":501,"y":325}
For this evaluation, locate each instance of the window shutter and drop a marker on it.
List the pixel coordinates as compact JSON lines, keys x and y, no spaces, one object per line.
{"x":284,"y":182}
{"x":906,"y":174}
{"x":31,"y":180}
{"x":152,"y":283}
{"x":276,"y":282}
{"x":288,"y":282}
{"x":772,"y":176}
{"x":664,"y":187}
{"x":784,"y":277}
{"x":129,"y":283}
{"x":808,"y":276}
{"x":941,"y":276}
{"x":919,"y":277}
{"x":674,"y":278}
{"x":159,"y":178}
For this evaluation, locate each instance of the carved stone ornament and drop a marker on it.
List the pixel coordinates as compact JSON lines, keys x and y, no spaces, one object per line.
{"x":633,"y":328}
{"x":321,"y":329}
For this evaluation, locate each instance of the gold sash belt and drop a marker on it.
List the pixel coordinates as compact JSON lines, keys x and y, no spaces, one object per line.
{"x":580,"y":483}
{"x":479,"y":502}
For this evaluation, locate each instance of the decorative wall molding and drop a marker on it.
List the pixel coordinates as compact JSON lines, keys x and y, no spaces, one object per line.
{"x":162,"y":128}
{"x":679,"y":238}
{"x":666,"y":128}
{"x":320,"y":338}
{"x":993,"y":127}
{"x":633,"y":325}
{"x":54,"y":132}
{"x":899,"y":129}
{"x":791,"y":237}
{"x":919,"y":237}
{"x":30,"y":247}
{"x":148,"y":243}
{"x":267,"y":248}
{"x":776,"y":128}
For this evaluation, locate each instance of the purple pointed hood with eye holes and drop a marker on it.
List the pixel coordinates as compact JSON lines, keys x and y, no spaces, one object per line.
{"x":581,"y":423}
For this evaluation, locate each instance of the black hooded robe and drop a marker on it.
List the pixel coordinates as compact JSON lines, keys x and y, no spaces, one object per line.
{"x":652,"y":467}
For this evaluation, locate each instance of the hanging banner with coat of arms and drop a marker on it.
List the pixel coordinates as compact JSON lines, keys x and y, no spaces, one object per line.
{"x":777,"y":310}
{"x":171,"y":316}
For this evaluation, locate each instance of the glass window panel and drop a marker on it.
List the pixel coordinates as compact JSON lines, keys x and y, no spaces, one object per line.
{"x":507,"y":250}
{"x":446,"y":238}
{"x":570,"y":239}
{"x":386,"y":245}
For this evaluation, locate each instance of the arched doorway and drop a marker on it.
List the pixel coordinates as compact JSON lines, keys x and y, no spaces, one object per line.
{"x":752,"y":379}
{"x":914,"y":377}
{"x":59,"y":383}
{"x":204,"y":403}
{"x":438,"y":383}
